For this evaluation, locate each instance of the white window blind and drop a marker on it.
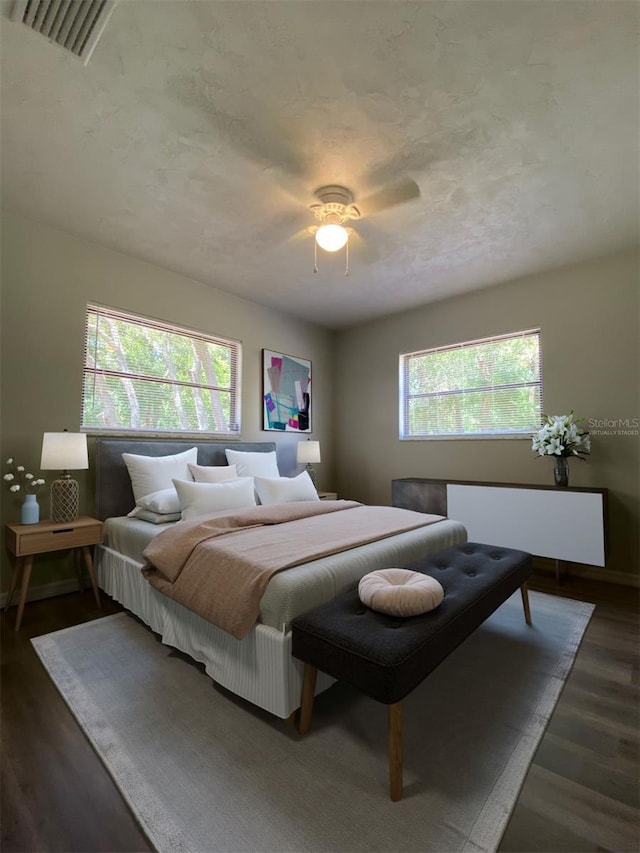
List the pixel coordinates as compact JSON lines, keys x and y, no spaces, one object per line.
{"x":488,"y":387}
{"x":143,"y":375}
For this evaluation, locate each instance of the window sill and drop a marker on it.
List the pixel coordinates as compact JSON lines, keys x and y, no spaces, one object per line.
{"x":490,"y":436}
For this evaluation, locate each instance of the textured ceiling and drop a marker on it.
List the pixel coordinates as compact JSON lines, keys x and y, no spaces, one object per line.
{"x":195,"y":137}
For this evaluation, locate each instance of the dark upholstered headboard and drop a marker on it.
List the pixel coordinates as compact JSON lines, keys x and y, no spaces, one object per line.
{"x":113,"y":486}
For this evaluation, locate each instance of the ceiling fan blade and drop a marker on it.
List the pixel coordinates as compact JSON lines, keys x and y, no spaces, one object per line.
{"x":289,"y":185}
{"x":279,"y":229}
{"x":404,"y":191}
{"x":301,"y":235}
{"x":364,"y":251}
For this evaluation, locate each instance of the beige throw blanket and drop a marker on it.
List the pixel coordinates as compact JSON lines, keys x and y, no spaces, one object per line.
{"x":219,"y":567}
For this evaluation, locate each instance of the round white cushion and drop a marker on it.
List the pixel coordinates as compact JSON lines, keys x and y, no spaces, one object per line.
{"x":400,"y":592}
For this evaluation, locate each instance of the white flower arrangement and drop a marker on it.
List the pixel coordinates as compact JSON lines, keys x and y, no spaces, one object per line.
{"x":561,"y":435}
{"x":20,"y":480}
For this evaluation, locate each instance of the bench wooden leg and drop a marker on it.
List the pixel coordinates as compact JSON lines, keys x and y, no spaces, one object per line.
{"x":525,"y":602}
{"x":395,"y":751}
{"x":306,"y":701}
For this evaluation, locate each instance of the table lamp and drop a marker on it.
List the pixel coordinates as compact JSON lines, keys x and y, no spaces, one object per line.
{"x":308,"y":452}
{"x":64,"y":451}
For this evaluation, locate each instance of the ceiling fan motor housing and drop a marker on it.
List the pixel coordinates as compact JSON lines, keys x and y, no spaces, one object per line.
{"x":336,"y":205}
{"x":334,"y":193}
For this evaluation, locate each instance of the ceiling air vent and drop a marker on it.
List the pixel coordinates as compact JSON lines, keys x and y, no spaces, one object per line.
{"x":76,"y":25}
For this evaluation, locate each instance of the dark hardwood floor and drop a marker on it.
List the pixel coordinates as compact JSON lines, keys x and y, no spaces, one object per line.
{"x":582,"y":789}
{"x":55,"y":794}
{"x":581,"y":792}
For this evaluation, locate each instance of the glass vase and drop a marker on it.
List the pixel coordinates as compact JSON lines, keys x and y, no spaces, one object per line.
{"x":561,"y":471}
{"x":30,"y":511}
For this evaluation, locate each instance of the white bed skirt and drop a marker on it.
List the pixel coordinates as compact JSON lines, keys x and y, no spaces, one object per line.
{"x":258,"y":668}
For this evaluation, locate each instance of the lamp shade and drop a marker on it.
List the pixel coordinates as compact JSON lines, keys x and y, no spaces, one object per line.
{"x":64,"y":451}
{"x":308,"y":451}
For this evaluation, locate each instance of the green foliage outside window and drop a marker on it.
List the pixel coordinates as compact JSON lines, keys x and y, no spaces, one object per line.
{"x":147,"y":376}
{"x":486,"y":387}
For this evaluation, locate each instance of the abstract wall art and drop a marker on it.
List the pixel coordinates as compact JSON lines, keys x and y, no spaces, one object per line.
{"x":286,"y":392}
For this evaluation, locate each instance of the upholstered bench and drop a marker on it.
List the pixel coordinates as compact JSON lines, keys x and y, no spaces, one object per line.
{"x":386,"y":657}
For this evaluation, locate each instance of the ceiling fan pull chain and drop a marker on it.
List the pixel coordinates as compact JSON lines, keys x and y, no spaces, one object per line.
{"x":346,"y":266}
{"x":315,"y":256}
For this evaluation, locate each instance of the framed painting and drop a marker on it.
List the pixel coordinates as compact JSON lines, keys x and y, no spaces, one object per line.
{"x":286,"y":392}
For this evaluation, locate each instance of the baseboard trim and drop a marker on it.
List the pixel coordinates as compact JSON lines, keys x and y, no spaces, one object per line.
{"x":605,"y":575}
{"x":592,"y":573}
{"x":45,"y":590}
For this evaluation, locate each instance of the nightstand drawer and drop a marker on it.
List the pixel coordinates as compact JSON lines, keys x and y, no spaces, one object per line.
{"x":44,"y":537}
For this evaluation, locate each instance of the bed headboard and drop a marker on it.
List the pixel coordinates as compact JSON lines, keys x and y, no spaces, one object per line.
{"x":113,"y":486}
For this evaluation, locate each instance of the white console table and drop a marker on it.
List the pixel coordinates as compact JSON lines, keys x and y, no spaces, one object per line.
{"x":565,"y":524}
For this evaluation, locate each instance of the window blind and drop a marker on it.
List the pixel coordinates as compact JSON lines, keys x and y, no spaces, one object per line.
{"x":490,"y":386}
{"x":143,"y":375}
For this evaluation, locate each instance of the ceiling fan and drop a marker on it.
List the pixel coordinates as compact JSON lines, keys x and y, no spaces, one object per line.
{"x":335,"y":209}
{"x":262,"y":141}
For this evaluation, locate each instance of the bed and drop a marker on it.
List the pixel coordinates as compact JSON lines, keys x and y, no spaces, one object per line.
{"x":259,"y":667}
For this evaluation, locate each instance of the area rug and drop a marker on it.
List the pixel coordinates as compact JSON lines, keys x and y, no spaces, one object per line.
{"x":205,"y":771}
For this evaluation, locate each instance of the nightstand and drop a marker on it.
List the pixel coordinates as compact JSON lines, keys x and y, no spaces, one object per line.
{"x":26,"y":540}
{"x":328,"y":496}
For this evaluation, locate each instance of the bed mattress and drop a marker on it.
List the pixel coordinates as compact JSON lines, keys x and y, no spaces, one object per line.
{"x":300,"y":588}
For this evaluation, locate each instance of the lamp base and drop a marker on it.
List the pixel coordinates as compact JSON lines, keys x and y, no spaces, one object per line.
{"x":311,"y":472}
{"x":64,"y":499}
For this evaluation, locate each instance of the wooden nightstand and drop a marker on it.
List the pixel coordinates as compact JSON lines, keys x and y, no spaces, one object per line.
{"x":328,"y":496}
{"x":26,"y":540}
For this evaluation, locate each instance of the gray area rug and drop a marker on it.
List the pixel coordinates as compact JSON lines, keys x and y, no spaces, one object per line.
{"x":204,"y":771}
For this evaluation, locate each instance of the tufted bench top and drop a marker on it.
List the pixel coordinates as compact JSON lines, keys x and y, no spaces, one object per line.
{"x":386,"y":657}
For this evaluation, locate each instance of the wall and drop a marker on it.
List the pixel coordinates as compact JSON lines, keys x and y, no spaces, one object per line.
{"x":47,"y":279}
{"x":588,"y":316}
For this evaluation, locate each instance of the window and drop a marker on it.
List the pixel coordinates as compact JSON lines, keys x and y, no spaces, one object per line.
{"x":489,"y":387}
{"x":141,"y":375}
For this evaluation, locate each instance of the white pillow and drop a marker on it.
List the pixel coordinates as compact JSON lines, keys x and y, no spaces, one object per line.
{"x":161,"y":502}
{"x":151,"y":473}
{"x":253,"y":464}
{"x":279,"y":490}
{"x":213,"y":473}
{"x":204,"y":498}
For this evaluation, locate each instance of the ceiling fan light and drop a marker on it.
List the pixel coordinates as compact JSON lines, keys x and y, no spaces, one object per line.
{"x":331,"y":237}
